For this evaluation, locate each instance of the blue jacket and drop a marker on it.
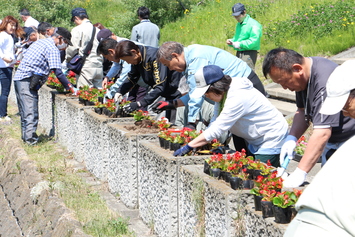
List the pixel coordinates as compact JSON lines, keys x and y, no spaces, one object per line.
{"x":197,"y":56}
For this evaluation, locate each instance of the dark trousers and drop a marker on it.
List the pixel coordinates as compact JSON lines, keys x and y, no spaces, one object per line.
{"x":5,"y":81}
{"x":27,"y":101}
{"x":248,"y":56}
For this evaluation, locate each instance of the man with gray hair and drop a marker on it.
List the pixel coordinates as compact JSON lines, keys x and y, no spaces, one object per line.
{"x":28,"y":19}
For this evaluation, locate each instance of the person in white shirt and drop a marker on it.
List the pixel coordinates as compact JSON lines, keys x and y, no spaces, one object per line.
{"x":241,"y":109}
{"x":8,"y":26}
{"x":28,"y":19}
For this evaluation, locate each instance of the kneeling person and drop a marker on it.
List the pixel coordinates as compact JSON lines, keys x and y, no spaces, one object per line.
{"x":241,"y":109}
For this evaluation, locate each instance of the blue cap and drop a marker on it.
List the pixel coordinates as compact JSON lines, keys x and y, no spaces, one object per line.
{"x":204,"y":77}
{"x":78,"y":11}
{"x":237,"y":9}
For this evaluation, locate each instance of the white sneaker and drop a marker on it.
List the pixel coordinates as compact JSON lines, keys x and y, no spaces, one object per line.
{"x":5,"y":119}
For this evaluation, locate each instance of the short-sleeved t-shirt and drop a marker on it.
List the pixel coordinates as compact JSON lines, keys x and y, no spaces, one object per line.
{"x":342,"y":127}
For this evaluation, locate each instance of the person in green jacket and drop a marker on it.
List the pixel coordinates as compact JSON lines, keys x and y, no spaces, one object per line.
{"x":247,"y":36}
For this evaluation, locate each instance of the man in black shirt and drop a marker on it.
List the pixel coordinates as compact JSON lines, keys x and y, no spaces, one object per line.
{"x":307,"y":76}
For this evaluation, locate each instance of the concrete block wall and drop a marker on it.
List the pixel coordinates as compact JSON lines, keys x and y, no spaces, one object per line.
{"x":216,"y":210}
{"x":158,"y":187}
{"x":147,"y":177}
{"x":123,"y":153}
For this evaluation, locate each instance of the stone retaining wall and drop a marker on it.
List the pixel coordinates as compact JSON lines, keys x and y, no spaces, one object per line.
{"x":173,"y":195}
{"x":28,"y":206}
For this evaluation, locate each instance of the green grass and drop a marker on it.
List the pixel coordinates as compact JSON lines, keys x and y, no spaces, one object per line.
{"x":89,"y":208}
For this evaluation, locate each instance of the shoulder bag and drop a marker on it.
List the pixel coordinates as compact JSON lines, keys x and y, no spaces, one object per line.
{"x":77,"y":62}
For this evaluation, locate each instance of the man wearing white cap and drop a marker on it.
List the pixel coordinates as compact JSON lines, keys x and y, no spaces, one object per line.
{"x":323,"y":208}
{"x":241,"y":109}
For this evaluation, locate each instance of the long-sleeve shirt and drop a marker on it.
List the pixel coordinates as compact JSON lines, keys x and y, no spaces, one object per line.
{"x":197,"y":56}
{"x":163,"y":81}
{"x":81,"y":36}
{"x":248,"y":33}
{"x":6,"y":49}
{"x":41,"y":58}
{"x":146,"y":33}
{"x":247,"y":113}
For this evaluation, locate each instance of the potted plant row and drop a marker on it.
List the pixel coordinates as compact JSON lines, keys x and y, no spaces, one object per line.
{"x":243,"y":172}
{"x":269,"y":199}
{"x":237,"y":169}
{"x":54,"y":83}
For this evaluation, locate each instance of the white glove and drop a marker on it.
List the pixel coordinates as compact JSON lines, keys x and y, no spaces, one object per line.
{"x":118,"y":98}
{"x":236,"y":45}
{"x":288,"y":148}
{"x":295,"y":179}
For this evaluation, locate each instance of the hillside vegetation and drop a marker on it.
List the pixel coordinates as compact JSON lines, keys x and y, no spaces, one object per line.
{"x":311,"y":27}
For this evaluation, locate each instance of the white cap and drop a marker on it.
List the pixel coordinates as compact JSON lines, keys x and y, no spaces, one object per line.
{"x":204,"y":77}
{"x":338,"y":87}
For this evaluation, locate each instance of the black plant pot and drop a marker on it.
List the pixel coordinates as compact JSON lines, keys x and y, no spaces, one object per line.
{"x":267,"y":209}
{"x":282,"y":215}
{"x":161,"y":142}
{"x":175,"y":146}
{"x":98,"y":110}
{"x":81,"y":101}
{"x":257,"y":202}
{"x":236,"y":183}
{"x":206,"y":168}
{"x":167,"y":144}
{"x":100,"y":99}
{"x":248,"y":184}
{"x":89,"y":103}
{"x":227,"y":177}
{"x":223,"y":175}
{"x":215,"y":172}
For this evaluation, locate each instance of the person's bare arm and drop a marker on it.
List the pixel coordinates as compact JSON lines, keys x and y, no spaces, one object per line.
{"x":299,"y":125}
{"x":315,"y":147}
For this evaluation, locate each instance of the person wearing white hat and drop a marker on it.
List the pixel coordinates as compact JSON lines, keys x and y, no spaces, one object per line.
{"x":323,"y":208}
{"x":241,"y":109}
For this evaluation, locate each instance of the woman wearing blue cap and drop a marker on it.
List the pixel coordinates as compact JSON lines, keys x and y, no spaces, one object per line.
{"x":242,"y":110}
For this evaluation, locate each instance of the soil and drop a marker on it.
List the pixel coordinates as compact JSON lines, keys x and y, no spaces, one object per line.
{"x":143,"y":127}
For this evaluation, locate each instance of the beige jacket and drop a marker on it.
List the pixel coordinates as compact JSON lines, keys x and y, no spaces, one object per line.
{"x":81,"y":36}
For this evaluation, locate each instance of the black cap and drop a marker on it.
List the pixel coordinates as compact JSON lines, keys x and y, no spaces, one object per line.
{"x":78,"y":12}
{"x":28,"y":32}
{"x":103,"y":34}
{"x":65,"y":34}
{"x":237,"y":9}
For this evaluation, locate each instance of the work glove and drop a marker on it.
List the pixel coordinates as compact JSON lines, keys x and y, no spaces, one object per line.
{"x":288,"y":148}
{"x":133,"y":106}
{"x":183,"y":150}
{"x":73,"y":90}
{"x":163,"y":105}
{"x":295,"y":179}
{"x":118,"y":98}
{"x":236,"y":45}
{"x":191,"y":126}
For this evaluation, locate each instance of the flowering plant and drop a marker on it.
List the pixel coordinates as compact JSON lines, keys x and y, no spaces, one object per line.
{"x":123,"y":103}
{"x":54,"y":82}
{"x":140,"y":115}
{"x":110,"y":105}
{"x":267,"y":186}
{"x":286,"y":198}
{"x":258,"y":165}
{"x":301,"y":145}
{"x":163,"y":123}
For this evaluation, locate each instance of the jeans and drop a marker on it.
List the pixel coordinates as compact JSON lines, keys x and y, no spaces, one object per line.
{"x":27,"y":101}
{"x":5,"y":80}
